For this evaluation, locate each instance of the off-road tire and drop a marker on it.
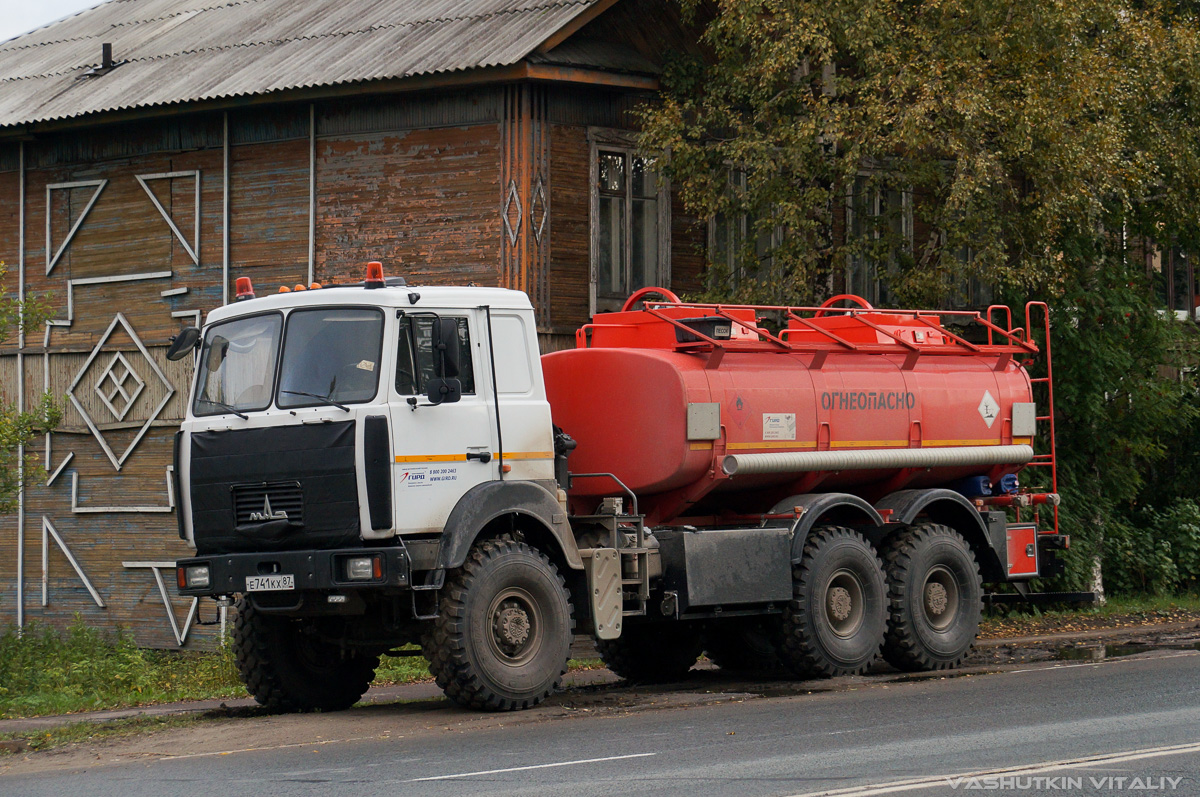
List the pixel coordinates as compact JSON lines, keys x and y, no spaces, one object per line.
{"x":839,"y":573}
{"x":652,"y":653}
{"x":475,"y":647}
{"x":744,"y":644}
{"x":916,"y":559}
{"x":286,"y":669}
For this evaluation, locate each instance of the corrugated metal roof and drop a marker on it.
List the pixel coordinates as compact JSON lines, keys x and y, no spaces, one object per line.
{"x":187,"y":50}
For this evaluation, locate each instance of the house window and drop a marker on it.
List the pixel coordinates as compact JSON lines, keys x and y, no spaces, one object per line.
{"x":880,"y":219}
{"x":969,"y":292}
{"x":1172,"y":273}
{"x":728,"y":235}
{"x":630,"y":225}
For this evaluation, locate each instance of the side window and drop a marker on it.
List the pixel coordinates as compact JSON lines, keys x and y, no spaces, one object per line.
{"x":414,"y":356}
{"x":513,"y":373}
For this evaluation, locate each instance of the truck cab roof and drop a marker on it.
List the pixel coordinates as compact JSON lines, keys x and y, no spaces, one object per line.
{"x":399,"y":297}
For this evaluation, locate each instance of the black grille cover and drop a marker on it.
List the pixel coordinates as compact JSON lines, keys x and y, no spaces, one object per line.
{"x":307,"y":472}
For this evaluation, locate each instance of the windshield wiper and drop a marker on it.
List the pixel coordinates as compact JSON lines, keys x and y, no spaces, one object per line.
{"x":225,"y":406}
{"x":326,"y":399}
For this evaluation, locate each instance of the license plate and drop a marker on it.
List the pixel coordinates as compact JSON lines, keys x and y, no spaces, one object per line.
{"x":270,"y":583}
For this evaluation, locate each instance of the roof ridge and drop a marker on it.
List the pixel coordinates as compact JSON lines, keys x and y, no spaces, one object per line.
{"x":225,"y":48}
{"x":70,"y":39}
{"x":162,"y":53}
{"x":232,"y":3}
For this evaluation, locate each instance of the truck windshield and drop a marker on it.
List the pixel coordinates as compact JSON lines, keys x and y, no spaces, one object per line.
{"x":331,"y":356}
{"x":237,"y":365}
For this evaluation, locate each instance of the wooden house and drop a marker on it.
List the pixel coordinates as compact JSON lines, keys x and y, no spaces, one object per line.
{"x":153,"y":151}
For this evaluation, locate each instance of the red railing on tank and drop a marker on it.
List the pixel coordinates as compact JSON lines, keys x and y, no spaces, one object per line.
{"x":764,"y":340}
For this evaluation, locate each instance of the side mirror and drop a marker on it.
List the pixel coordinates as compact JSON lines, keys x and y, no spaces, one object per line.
{"x":183,"y":343}
{"x":443,"y":391}
{"x":445,"y":347}
{"x":218,"y":347}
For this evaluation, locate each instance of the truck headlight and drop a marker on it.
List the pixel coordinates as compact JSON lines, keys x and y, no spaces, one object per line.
{"x":195,"y":577}
{"x":364,"y":568}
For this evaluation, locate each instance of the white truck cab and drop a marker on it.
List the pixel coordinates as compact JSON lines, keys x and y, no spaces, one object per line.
{"x":343,"y":449}
{"x":348,"y":370}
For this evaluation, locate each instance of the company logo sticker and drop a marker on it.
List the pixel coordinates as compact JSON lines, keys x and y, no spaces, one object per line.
{"x":779,"y":426}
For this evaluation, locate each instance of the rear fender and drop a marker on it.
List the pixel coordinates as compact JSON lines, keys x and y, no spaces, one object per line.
{"x":839,"y":509}
{"x":948,"y":508}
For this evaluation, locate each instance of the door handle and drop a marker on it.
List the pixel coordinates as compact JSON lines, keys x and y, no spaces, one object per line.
{"x":483,"y":456}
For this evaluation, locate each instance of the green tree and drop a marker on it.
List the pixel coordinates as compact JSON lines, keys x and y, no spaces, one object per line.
{"x":1043,"y":145}
{"x":19,"y":426}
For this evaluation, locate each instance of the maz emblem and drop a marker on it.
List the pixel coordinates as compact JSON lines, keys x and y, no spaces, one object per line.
{"x":266,"y":513}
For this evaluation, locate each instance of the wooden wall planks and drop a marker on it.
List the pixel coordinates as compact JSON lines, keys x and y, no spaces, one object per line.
{"x":569,"y":235}
{"x":426,"y":201}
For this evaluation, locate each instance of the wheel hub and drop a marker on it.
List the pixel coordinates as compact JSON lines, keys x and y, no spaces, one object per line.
{"x":935,"y":599}
{"x":515,"y":625}
{"x":843,"y":603}
{"x":840,"y":603}
{"x":939,"y":598}
{"x":512,"y":626}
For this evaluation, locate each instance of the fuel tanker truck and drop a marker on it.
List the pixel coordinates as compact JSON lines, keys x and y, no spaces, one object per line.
{"x":368,"y":467}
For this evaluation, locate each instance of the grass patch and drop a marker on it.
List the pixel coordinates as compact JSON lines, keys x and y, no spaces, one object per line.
{"x":44,"y":671}
{"x":402,"y":669}
{"x":1122,"y":611}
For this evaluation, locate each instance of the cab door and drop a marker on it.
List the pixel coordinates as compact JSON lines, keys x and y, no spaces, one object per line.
{"x":441,"y":450}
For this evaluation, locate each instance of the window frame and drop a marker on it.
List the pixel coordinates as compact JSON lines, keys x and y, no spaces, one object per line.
{"x":878,"y":209}
{"x":1169,"y":257}
{"x":601,"y":140}
{"x":283,"y":353}
{"x":738,"y":228}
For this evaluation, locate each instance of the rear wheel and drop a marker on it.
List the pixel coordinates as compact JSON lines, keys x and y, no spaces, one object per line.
{"x":653,"y":653}
{"x":935,"y":596}
{"x":744,"y":645}
{"x":286,"y":667}
{"x":504,"y":629}
{"x":835,"y":622}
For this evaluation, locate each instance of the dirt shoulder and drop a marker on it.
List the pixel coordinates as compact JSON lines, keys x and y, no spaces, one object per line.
{"x":1065,"y":624}
{"x":396,"y":712}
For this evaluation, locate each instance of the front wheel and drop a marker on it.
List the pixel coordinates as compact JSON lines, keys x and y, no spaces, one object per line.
{"x":835,"y":622}
{"x":935,"y":598}
{"x":286,"y":667}
{"x":504,"y":628}
{"x":744,"y":644}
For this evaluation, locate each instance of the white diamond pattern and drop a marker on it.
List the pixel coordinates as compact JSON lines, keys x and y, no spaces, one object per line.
{"x":512,"y":198}
{"x":538,"y":210}
{"x":114,"y":382}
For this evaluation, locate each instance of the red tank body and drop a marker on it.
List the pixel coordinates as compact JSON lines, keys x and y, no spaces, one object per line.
{"x":851,"y":396}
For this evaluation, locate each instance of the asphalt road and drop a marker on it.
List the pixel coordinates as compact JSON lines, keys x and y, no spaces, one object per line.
{"x":1120,"y":726}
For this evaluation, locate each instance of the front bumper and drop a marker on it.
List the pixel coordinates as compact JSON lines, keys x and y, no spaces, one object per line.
{"x":311,"y":570}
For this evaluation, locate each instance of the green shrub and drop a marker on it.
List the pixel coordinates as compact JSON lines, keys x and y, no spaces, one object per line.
{"x":46,"y":671}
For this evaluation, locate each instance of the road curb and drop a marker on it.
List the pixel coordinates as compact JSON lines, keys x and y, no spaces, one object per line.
{"x":1095,"y":633}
